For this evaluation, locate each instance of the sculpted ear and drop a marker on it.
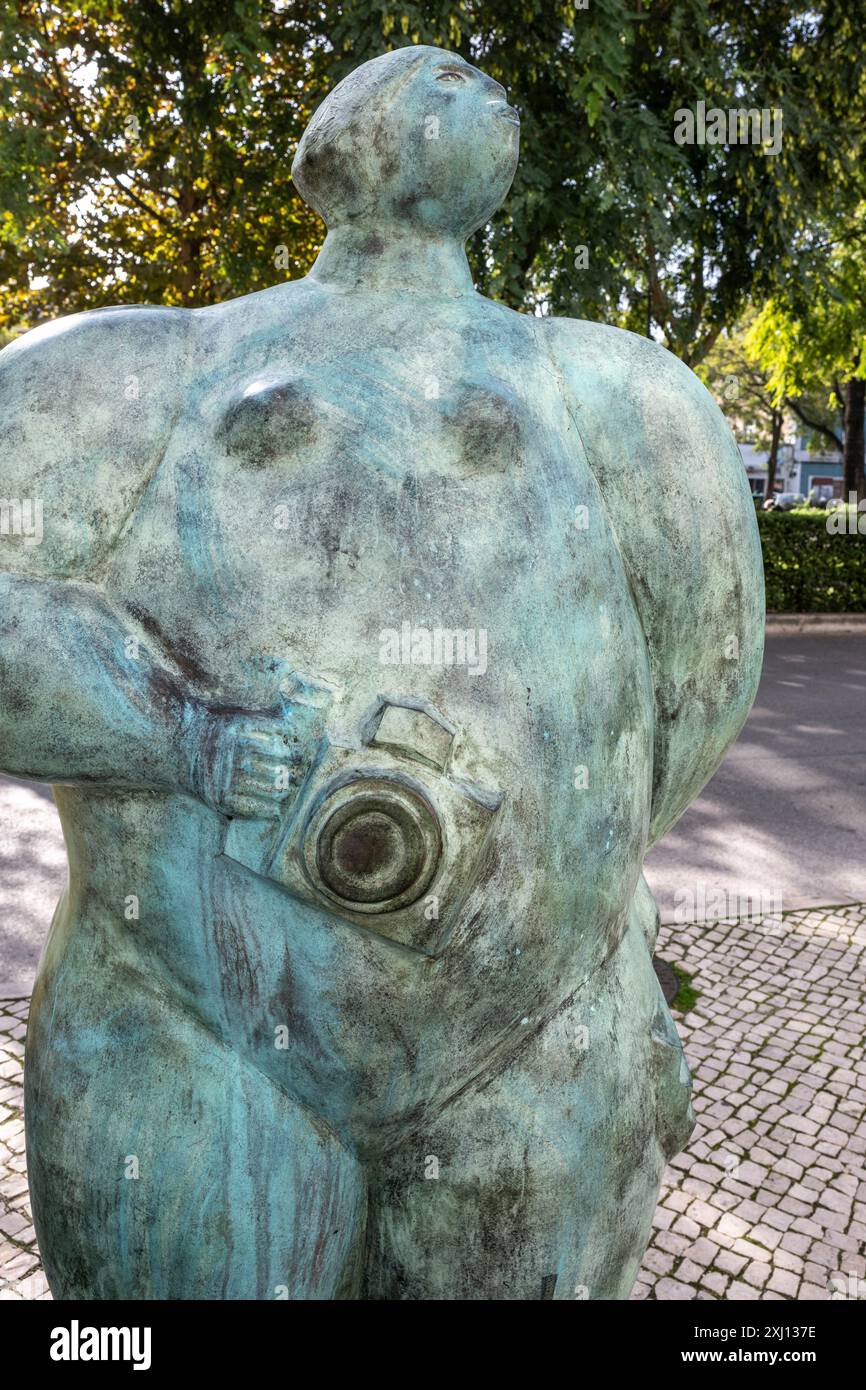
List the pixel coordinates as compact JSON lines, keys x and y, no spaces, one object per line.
{"x":679,"y":503}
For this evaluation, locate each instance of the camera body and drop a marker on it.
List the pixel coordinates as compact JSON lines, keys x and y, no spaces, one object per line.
{"x":380,"y":832}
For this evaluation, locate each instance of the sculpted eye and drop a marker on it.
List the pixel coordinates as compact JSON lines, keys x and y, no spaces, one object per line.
{"x":451,"y":75}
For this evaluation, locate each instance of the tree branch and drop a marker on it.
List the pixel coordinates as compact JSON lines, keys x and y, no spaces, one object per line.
{"x":814,"y":424}
{"x":85,"y":135}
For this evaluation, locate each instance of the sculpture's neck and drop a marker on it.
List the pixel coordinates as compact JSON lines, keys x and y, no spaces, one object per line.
{"x":365,"y":258}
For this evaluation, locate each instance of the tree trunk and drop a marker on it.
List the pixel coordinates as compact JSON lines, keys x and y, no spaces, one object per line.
{"x":774,"y":452}
{"x":852,"y":457}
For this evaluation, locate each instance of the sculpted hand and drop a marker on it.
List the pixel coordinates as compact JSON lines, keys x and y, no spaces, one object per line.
{"x":243,"y":764}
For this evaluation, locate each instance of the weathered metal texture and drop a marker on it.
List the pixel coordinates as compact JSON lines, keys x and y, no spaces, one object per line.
{"x":416,"y":1048}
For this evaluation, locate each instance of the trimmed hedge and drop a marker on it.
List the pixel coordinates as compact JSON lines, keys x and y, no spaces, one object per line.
{"x":808,"y":569}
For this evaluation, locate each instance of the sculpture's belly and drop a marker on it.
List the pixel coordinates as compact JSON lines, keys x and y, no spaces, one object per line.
{"x":337,"y":561}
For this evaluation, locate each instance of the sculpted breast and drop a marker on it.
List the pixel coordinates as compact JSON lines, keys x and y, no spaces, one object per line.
{"x":484,"y":424}
{"x":470,"y":426}
{"x":268,"y":418}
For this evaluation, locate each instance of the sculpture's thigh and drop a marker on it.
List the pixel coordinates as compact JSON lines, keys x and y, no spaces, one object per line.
{"x":163,"y":1167}
{"x":542,"y":1182}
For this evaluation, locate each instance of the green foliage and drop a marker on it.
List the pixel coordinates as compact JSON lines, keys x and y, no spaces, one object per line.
{"x":809,"y":570}
{"x":145,"y":149}
{"x":740,"y":386}
{"x":812,"y":329}
{"x":817,"y":328}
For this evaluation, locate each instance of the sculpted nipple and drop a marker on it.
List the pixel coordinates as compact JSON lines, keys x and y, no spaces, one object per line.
{"x":271,"y":418}
{"x":487,"y":423}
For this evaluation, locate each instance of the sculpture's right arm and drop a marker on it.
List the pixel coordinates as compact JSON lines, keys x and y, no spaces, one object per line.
{"x":75,"y":706}
{"x":86,"y":696}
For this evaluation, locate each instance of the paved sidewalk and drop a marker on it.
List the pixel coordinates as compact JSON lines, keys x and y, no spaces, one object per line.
{"x":32,"y":878}
{"x":785,"y":813}
{"x":20,"y":1271}
{"x":770,"y":1200}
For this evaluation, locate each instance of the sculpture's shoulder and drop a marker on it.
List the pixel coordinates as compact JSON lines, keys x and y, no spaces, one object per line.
{"x":648,"y":424}
{"x":616,"y":370}
{"x":86,"y":406}
{"x":220,"y":328}
{"x":83,"y":357}
{"x":676,"y":495}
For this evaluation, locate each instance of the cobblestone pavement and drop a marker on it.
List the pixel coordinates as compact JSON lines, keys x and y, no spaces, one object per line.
{"x":770,"y":1199}
{"x":20,"y":1271}
{"x":32,"y":877}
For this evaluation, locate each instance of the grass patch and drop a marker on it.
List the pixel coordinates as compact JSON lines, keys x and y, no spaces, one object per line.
{"x":686,"y":996}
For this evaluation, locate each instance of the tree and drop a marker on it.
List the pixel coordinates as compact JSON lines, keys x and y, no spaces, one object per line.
{"x":145,"y":148}
{"x":145,"y":151}
{"x":748,"y":392}
{"x":813,"y":324}
{"x":816,"y":328}
{"x":742,"y":390}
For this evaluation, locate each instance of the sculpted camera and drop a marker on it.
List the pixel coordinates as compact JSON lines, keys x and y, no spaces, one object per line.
{"x":380,"y":832}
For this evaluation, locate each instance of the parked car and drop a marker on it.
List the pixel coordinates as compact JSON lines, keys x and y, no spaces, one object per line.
{"x":784,"y":501}
{"x":821,"y":497}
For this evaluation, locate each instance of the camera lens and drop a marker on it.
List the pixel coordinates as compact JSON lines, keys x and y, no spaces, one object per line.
{"x":374,"y":844}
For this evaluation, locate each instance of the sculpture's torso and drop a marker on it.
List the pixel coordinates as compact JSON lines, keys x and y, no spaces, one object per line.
{"x":340,"y":465}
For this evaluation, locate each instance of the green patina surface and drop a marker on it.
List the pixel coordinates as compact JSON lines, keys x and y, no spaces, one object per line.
{"x":351,"y":994}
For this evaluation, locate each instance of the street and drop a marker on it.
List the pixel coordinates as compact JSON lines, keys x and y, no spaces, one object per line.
{"x":785,"y":815}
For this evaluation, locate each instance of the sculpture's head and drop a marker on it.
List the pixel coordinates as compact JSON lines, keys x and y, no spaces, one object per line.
{"x":418,"y":137}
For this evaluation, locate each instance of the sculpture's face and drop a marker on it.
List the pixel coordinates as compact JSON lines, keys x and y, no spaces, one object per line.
{"x":418,"y":137}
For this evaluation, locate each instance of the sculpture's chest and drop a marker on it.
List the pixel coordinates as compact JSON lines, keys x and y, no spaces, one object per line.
{"x":319,"y":492}
{"x":372,"y":464}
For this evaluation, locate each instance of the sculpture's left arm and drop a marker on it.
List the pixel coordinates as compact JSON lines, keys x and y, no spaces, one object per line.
{"x":678,"y":500}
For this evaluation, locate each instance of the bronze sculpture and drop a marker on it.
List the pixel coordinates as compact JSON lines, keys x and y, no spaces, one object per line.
{"x":351,"y":992}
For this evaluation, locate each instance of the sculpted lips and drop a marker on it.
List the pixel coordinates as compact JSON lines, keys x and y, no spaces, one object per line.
{"x":507,"y":113}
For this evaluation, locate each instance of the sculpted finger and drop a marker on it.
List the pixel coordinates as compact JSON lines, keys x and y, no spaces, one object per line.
{"x":253,"y":806}
{"x":270,"y":772}
{"x":273,"y":785}
{"x":270,"y":742}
